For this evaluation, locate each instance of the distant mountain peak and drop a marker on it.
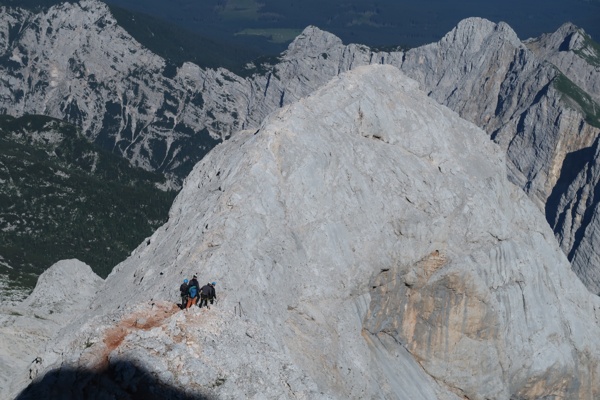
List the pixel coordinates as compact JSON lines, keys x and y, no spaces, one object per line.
{"x":471,"y":32}
{"x":313,"y":41}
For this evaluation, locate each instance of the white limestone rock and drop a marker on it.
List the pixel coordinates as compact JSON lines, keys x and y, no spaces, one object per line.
{"x":482,"y":71}
{"x":74,"y":62}
{"x":66,"y":286}
{"x":63,"y":291}
{"x":574,"y":214}
{"x":366,"y":243}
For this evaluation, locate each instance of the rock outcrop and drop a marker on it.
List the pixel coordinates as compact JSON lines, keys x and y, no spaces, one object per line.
{"x":574,"y":53}
{"x":534,"y":99}
{"x":75,"y":62}
{"x":366,"y":243}
{"x":574,"y":214}
{"x":63,"y":291}
{"x":485,"y":73}
{"x":533,"y":111}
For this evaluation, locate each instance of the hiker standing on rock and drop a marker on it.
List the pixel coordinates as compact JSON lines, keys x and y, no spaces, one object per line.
{"x":192,"y":292}
{"x":183,"y":289}
{"x":207,"y":293}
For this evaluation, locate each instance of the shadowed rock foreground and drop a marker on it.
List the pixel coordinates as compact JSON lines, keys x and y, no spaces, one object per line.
{"x":121,"y":380}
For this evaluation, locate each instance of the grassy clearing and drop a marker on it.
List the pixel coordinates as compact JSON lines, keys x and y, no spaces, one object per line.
{"x":590,"y":51}
{"x":578,"y":99}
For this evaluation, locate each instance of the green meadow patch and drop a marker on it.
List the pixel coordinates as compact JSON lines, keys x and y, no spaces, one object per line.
{"x":578,"y":99}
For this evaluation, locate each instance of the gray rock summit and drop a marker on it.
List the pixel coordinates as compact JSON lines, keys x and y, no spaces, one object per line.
{"x":533,"y":109}
{"x":366,"y":243}
{"x":537,"y":99}
{"x":360,"y":229}
{"x":574,"y":53}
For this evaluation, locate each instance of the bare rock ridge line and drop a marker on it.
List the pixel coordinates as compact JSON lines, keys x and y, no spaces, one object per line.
{"x":574,"y":53}
{"x":63,"y":291}
{"x":538,"y":99}
{"x":378,"y":250}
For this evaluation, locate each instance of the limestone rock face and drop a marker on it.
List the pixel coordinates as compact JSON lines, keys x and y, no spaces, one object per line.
{"x":67,"y":285}
{"x":485,"y":73}
{"x":482,"y":71}
{"x":574,"y":53}
{"x":63,"y":291}
{"x":574,"y":214}
{"x":74,"y":62}
{"x":311,"y":60}
{"x":366,"y":243}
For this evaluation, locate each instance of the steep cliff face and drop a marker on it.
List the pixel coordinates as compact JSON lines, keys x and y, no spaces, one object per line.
{"x":542,"y":119}
{"x":481,"y":70}
{"x":485,"y":73}
{"x":74,"y":62}
{"x":573,"y":213}
{"x":574,"y":53}
{"x":366,"y":243}
{"x":165,"y":119}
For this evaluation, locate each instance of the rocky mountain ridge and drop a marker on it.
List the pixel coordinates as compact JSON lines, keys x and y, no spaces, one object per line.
{"x":536,"y":99}
{"x":64,"y":290}
{"x":366,"y":243}
{"x":574,"y":53}
{"x":74,"y":62}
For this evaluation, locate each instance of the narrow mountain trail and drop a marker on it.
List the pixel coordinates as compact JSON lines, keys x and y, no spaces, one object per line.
{"x":139,"y":320}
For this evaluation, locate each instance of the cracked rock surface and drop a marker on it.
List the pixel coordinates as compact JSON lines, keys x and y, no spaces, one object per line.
{"x":74,"y":62}
{"x":366,"y":243}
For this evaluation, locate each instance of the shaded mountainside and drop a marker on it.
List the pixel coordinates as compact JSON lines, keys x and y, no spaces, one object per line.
{"x":62,"y":197}
{"x":366,"y":243}
{"x":74,"y":62}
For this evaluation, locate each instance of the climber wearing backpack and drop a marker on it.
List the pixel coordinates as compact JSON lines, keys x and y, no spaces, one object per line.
{"x":183,"y":289}
{"x":192,"y":292}
{"x":208,"y":293}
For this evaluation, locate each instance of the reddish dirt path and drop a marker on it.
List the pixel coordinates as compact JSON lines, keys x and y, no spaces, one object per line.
{"x":147,"y":319}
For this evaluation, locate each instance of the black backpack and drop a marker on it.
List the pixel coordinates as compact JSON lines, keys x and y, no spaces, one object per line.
{"x":183,"y":288}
